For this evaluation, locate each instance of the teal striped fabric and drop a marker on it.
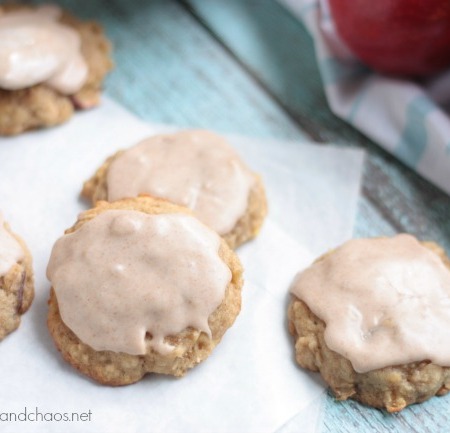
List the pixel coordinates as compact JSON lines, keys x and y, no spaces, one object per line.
{"x":409,"y":120}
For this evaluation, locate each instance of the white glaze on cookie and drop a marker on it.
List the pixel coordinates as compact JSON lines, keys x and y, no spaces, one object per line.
{"x":35,"y":48}
{"x":126,"y":273}
{"x":196,"y":169}
{"x":10,"y":250}
{"x":385,"y":302}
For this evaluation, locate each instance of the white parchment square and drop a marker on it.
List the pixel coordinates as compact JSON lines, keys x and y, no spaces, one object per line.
{"x":251,"y":382}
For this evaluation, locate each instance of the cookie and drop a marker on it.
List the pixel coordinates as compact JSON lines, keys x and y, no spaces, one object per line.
{"x":16,"y":279}
{"x":372,"y":317}
{"x":155,"y":293}
{"x":196,"y":169}
{"x":62,"y":70}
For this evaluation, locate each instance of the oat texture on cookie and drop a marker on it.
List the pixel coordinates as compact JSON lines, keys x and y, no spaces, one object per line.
{"x":372,"y":316}
{"x":50,"y":64}
{"x":156,"y":292}
{"x":16,"y":279}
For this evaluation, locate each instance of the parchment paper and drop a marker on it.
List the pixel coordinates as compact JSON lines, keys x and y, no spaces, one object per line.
{"x":250,"y":383}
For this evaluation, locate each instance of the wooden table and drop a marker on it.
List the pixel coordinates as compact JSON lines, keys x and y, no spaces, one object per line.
{"x":248,"y":67}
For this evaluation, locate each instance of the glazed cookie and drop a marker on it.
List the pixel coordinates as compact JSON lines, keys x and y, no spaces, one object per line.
{"x":372,"y":317}
{"x":155,"y":294}
{"x":16,"y":279}
{"x":61,"y":65}
{"x":196,"y":169}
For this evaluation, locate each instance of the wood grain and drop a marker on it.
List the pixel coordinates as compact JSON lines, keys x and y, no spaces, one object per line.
{"x":277,"y":51}
{"x":169,"y":69}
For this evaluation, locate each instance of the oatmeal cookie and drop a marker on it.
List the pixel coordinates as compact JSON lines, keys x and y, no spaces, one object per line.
{"x":196,"y":169}
{"x":103,"y":324}
{"x":40,"y":105}
{"x":16,"y":279}
{"x":373,"y":338}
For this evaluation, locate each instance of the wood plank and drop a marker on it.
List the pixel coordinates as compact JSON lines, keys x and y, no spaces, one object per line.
{"x":275,"y":48}
{"x":169,"y":70}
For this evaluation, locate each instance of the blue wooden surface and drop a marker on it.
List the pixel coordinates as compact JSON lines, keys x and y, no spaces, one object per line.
{"x":277,"y":51}
{"x":243,"y":66}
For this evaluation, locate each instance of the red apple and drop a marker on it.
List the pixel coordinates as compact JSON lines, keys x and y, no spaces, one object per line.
{"x":401,"y":37}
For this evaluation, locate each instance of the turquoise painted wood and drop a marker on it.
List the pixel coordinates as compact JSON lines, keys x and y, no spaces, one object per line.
{"x":275,"y":48}
{"x":169,"y":69}
{"x":247,"y":66}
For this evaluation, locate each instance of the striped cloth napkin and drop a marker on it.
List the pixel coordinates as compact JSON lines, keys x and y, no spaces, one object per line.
{"x":409,"y":120}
